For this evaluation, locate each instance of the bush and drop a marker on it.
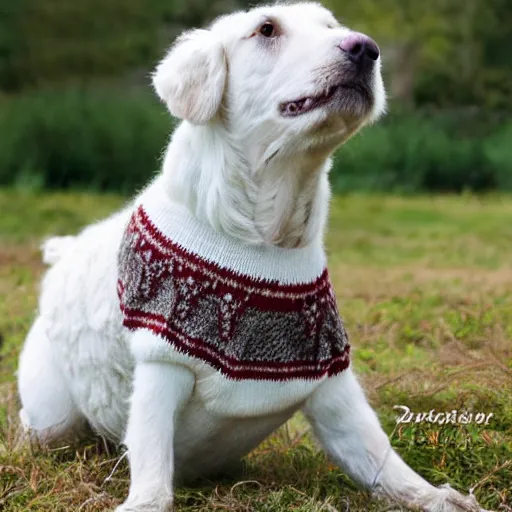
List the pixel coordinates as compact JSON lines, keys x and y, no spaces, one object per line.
{"x":498,"y":150}
{"x":414,"y":152}
{"x":102,"y":139}
{"x":99,"y":139}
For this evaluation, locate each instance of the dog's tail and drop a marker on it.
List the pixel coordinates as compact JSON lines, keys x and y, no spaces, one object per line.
{"x":55,"y":247}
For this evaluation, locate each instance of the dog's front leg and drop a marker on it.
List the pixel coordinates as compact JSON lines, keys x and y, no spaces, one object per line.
{"x":351,"y":434}
{"x":159,"y":392}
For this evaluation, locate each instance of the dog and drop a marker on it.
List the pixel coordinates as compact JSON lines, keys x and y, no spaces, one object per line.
{"x":197,"y":320}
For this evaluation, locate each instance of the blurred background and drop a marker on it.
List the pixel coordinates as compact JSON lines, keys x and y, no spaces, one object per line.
{"x":76,"y":109}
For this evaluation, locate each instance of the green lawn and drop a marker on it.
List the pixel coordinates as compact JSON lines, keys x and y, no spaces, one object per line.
{"x":425,"y":288}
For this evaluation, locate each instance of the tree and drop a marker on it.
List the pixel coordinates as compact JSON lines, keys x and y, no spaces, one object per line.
{"x":48,"y":41}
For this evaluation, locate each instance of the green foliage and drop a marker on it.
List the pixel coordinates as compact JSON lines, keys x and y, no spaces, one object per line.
{"x":415,"y":152}
{"x":102,"y":139}
{"x":10,"y":45}
{"x":61,"y":41}
{"x":99,"y":139}
{"x":449,"y":52}
{"x":498,"y":149}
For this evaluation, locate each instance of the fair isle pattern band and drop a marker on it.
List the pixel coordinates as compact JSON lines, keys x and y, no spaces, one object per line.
{"x":245,"y":328}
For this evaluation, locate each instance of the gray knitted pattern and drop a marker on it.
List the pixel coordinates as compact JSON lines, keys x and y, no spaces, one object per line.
{"x":244,"y":327}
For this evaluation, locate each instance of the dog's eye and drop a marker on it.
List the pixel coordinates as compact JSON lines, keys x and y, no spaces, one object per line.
{"x":267,"y":29}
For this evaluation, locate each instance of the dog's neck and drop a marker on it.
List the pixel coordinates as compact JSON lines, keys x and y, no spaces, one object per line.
{"x":282,"y":202}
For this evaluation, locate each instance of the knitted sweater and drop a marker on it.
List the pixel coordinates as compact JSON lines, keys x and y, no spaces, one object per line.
{"x":246,"y":312}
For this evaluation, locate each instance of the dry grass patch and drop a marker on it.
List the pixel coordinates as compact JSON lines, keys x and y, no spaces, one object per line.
{"x":425,"y":288}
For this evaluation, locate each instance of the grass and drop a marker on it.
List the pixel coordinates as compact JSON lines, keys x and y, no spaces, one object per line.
{"x":425,"y":288}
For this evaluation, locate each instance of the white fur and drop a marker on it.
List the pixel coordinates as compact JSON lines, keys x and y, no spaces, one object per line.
{"x":195,"y":65}
{"x":55,"y":247}
{"x":243,"y":169}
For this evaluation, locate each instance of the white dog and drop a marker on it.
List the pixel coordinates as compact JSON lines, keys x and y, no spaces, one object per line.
{"x":197,"y":320}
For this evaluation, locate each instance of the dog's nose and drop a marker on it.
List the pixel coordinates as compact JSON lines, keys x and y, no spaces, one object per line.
{"x":360,"y":49}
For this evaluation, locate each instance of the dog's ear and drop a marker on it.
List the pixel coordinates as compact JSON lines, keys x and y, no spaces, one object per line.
{"x":192,"y":76}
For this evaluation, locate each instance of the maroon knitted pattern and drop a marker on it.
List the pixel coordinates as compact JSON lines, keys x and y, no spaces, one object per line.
{"x":244,"y":327}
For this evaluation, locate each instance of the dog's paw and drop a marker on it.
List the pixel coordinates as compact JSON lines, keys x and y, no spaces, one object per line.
{"x":142,"y":508}
{"x":449,"y":500}
{"x":156,"y":505}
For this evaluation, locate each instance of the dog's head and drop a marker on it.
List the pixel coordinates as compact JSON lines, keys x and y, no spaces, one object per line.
{"x":277,"y":75}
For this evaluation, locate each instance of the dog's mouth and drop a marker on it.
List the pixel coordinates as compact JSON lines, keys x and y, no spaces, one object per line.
{"x":343,"y":94}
